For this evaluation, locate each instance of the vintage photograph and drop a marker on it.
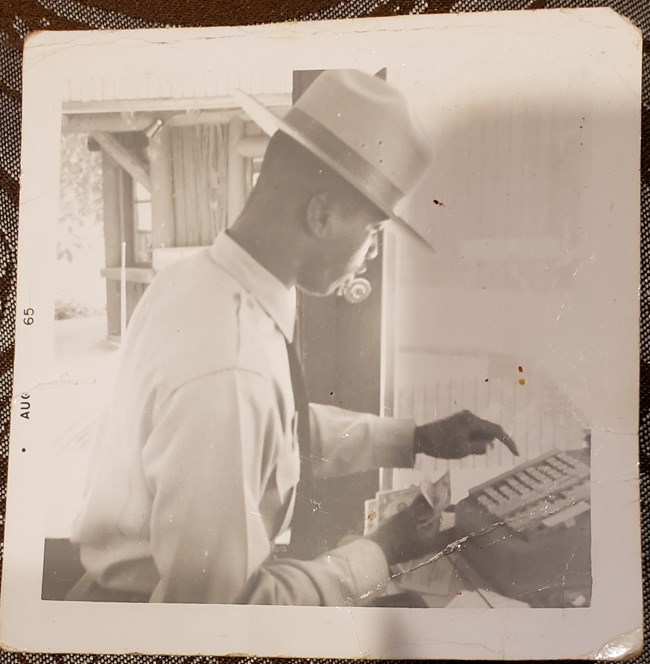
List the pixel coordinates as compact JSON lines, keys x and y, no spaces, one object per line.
{"x":336,"y":316}
{"x":200,"y":421}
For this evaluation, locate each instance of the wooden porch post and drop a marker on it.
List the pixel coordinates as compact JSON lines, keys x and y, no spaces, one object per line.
{"x":236,"y":170}
{"x":162,"y":190}
{"x":112,"y":239}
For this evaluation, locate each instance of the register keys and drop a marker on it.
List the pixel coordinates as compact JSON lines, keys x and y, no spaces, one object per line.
{"x":528,"y":530}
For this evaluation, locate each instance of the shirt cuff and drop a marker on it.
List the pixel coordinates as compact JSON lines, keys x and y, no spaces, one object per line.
{"x":392,"y":442}
{"x":365,"y":573}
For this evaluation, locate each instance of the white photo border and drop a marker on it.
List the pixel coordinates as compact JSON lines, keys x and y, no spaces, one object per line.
{"x":29,"y":623}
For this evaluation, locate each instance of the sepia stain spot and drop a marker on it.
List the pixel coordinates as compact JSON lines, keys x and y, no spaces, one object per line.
{"x":522,"y":381}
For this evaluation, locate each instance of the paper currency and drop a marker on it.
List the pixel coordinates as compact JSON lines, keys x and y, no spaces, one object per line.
{"x":438,"y":493}
{"x":389,"y":503}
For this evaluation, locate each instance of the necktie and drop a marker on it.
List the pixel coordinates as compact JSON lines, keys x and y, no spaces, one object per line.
{"x":302,"y":544}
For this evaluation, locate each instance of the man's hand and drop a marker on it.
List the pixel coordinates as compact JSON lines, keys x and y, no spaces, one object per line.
{"x":460,"y":435}
{"x":409,"y":534}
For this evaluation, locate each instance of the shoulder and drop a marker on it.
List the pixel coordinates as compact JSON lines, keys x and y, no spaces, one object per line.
{"x":185,"y":302}
{"x":196,"y":319}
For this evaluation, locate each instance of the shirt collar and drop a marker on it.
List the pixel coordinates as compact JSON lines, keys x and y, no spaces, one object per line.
{"x":274,"y":297}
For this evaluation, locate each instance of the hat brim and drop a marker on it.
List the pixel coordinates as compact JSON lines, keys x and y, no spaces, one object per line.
{"x":269,"y":122}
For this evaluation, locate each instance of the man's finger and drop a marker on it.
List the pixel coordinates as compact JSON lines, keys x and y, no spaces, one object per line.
{"x":509,"y":443}
{"x":496,"y":431}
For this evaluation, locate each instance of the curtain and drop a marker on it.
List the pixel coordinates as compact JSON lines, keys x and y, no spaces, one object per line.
{"x":200,"y":170}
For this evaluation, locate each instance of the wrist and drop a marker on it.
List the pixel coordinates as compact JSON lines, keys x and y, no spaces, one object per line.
{"x":417,"y":440}
{"x":424,"y":441}
{"x":380,"y":539}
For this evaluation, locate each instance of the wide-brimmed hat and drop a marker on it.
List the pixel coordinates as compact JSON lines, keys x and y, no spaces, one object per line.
{"x":361,"y":127}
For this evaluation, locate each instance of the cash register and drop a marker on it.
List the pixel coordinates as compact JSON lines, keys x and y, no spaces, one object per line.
{"x":527,"y":532}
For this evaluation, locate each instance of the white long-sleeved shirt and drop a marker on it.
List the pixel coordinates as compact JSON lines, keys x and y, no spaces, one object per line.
{"x":196,"y":458}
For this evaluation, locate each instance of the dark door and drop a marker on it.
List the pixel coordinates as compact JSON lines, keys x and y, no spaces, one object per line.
{"x":340,"y":345}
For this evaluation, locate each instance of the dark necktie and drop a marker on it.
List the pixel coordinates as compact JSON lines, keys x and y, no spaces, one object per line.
{"x":302,"y":544}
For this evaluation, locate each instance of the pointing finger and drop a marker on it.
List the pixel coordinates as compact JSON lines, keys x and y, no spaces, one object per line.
{"x":509,"y":443}
{"x":495,"y":431}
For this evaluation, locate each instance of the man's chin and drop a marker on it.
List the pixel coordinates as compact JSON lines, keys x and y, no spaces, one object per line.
{"x":330,"y":290}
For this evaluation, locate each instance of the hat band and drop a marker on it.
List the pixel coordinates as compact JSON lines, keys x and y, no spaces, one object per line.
{"x":361,"y":173}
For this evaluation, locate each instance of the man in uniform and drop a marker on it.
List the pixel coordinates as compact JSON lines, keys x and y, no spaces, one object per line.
{"x":198,"y":453}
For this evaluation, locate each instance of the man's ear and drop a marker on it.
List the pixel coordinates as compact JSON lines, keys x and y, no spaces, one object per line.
{"x":319,"y":214}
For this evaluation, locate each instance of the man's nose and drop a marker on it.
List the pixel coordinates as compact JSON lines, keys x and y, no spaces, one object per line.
{"x":373,"y":249}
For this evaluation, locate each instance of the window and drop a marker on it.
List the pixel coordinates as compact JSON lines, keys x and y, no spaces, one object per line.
{"x":142,"y":225}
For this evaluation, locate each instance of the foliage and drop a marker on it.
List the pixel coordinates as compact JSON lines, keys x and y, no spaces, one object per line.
{"x":80,"y":244}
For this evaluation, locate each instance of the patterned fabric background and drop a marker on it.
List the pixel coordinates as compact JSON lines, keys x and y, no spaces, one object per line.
{"x":18,"y":18}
